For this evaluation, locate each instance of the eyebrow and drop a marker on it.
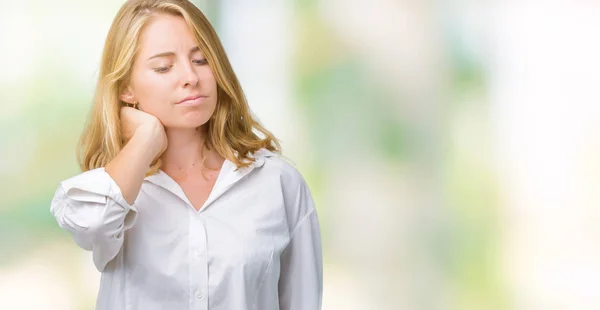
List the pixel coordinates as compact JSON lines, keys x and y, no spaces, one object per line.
{"x":166,"y":54}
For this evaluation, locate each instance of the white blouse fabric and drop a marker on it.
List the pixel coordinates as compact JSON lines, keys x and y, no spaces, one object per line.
{"x":255,"y":244}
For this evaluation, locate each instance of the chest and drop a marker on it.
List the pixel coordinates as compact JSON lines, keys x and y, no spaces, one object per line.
{"x":197,"y":184}
{"x":197,"y":189}
{"x":233,"y":247}
{"x":244,"y":230}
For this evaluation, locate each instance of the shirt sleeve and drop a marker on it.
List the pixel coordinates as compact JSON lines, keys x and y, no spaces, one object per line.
{"x":92,"y":208}
{"x":301,"y":276}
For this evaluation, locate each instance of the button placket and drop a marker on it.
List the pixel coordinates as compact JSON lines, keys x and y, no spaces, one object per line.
{"x":198,"y":262}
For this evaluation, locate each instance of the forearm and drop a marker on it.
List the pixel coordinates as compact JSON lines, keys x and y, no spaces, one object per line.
{"x":129,"y":167}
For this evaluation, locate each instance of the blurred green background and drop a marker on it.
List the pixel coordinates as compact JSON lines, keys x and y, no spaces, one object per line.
{"x":451,"y":146}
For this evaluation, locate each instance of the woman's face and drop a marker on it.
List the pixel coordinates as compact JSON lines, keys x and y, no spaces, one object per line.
{"x":171,"y":78}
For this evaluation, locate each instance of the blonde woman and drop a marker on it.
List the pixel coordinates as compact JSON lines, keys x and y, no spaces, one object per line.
{"x":185,"y":202}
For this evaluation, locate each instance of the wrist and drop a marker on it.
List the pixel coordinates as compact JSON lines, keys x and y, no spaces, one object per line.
{"x":151,"y":136}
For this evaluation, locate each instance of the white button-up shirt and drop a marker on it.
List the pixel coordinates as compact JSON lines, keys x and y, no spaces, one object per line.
{"x":254,"y":245}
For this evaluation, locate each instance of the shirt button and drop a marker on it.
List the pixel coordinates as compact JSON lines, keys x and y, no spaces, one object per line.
{"x":199,"y":295}
{"x":198,"y":253}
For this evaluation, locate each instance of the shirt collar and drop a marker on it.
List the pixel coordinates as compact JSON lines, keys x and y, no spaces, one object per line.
{"x":228,"y":175}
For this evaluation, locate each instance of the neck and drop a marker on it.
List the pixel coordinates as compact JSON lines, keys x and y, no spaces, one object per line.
{"x":186,"y":148}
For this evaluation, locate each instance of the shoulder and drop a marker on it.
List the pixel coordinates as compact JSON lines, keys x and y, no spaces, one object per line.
{"x":297,"y":198}
{"x":276,"y":165}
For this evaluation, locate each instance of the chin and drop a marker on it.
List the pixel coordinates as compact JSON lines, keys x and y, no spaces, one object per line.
{"x":188,"y":123}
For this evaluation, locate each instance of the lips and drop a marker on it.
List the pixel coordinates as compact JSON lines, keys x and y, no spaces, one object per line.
{"x":191,"y":99}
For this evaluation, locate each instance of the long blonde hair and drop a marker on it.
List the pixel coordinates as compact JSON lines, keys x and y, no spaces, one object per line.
{"x":231,"y":130}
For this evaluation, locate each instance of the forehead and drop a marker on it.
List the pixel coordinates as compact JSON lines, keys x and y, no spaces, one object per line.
{"x":166,"y":33}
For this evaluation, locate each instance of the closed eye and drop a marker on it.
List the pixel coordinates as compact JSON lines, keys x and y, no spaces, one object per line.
{"x":200,"y":61}
{"x":162,"y":69}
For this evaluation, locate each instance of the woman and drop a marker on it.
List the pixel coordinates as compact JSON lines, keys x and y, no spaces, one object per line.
{"x":184,"y":200}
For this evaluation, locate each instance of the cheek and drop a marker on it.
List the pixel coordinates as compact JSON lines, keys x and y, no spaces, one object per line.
{"x":151,"y":85}
{"x":206,"y":77}
{"x":153,"y":92}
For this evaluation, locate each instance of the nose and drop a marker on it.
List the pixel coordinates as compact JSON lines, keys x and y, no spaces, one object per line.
{"x":189,"y":76}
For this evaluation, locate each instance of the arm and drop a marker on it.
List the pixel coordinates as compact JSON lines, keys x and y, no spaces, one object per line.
{"x":91,"y":207}
{"x":129,"y":167}
{"x":97,"y":206}
{"x":301,"y":277}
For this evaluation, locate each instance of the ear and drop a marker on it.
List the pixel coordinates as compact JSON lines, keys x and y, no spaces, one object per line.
{"x":127,"y":96}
